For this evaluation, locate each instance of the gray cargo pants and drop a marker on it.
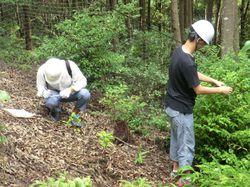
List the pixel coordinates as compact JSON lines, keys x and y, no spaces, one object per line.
{"x":182,"y":137}
{"x":81,"y":97}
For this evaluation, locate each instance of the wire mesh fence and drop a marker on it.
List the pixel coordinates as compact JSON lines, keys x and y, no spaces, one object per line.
{"x":28,"y":19}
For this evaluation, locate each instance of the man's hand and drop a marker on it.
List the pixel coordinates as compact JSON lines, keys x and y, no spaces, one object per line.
{"x":66,"y":93}
{"x":218,"y":83}
{"x":47,"y":93}
{"x":226,"y":90}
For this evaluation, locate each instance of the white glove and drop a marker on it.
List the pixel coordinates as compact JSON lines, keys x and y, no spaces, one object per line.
{"x":47,"y":93}
{"x":65,"y":93}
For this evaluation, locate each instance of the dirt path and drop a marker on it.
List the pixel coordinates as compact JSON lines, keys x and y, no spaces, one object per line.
{"x":39,"y":148}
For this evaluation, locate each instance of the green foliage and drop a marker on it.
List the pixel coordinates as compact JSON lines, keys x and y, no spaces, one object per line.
{"x":222,"y":122}
{"x":3,"y":138}
{"x":73,"y":118}
{"x":245,"y":49}
{"x":123,"y":107}
{"x":157,"y":117}
{"x":138,"y":114}
{"x":12,"y":46}
{"x":87,"y":39}
{"x":63,"y":182}
{"x":150,"y":74}
{"x":105,"y":139}
{"x":215,"y":174}
{"x":4,"y":96}
{"x":140,"y":182}
{"x":140,"y":157}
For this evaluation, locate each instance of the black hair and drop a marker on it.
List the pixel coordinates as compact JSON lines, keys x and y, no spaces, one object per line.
{"x":192,"y":35}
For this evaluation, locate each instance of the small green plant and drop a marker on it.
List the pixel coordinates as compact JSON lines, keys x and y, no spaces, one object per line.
{"x":73,"y":119}
{"x":140,"y":182}
{"x":3,"y":139}
{"x":4,"y":96}
{"x":140,"y":156}
{"x":63,"y":182}
{"x":105,"y":139}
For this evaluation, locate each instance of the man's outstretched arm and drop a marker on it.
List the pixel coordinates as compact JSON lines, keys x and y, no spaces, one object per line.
{"x":208,"y":79}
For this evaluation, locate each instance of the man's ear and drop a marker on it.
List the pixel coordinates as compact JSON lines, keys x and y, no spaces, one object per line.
{"x":201,"y":41}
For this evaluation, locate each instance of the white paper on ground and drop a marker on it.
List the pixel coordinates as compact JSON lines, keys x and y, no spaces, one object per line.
{"x":19,"y":113}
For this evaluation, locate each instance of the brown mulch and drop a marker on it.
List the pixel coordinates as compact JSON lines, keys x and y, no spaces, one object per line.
{"x":39,"y":148}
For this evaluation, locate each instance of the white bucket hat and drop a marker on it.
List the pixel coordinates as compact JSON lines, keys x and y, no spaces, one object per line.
{"x":53,"y":71}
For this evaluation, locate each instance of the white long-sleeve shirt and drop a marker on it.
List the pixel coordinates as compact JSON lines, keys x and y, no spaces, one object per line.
{"x":77,"y":82}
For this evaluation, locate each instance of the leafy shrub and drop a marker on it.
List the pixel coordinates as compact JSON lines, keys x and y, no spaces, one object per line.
{"x":63,"y":182}
{"x":124,"y":107}
{"x":86,"y":39}
{"x":222,"y":122}
{"x":156,"y":117}
{"x":215,"y":174}
{"x":150,"y":74}
{"x":131,"y":109}
{"x":12,"y":50}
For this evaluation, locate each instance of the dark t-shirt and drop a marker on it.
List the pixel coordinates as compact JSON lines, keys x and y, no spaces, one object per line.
{"x":183,"y":77}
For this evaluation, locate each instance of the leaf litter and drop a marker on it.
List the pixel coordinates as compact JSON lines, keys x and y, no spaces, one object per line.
{"x":38,"y":148}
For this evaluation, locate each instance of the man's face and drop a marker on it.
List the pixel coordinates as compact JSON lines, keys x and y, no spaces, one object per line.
{"x":200,"y":43}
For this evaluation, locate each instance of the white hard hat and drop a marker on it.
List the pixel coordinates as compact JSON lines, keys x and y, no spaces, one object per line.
{"x":53,"y":71}
{"x":204,"y":29}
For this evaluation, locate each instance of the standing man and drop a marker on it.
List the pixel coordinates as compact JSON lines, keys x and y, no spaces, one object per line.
{"x":62,"y":81}
{"x":183,"y":86}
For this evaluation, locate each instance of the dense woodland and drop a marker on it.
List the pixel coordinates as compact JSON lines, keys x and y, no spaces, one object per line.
{"x":123,"y":48}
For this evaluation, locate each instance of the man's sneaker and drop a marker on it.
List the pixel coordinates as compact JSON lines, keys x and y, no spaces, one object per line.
{"x":183,"y":182}
{"x":76,"y":120}
{"x":173,"y":177}
{"x":55,"y":113}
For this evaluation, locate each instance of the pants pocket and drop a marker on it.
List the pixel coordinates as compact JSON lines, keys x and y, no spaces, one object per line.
{"x":171,"y":112}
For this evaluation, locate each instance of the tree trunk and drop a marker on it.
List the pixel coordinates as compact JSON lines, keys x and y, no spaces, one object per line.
{"x":143,"y":27}
{"x":188,"y":12}
{"x":74,"y":5}
{"x":27,"y":28}
{"x":149,"y":16}
{"x":175,"y":22}
{"x":181,"y":19}
{"x":159,"y":8}
{"x":1,"y":5}
{"x":236,"y":28}
{"x":128,"y":23}
{"x":229,"y":31}
{"x":18,"y":20}
{"x":111,"y":5}
{"x":142,"y":15}
{"x":217,"y":21}
{"x":243,"y":20}
{"x":209,"y":10}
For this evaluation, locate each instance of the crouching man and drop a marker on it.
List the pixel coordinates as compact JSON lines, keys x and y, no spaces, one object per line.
{"x":62,"y":81}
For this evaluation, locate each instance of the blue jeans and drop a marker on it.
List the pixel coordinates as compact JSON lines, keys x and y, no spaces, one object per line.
{"x":182,"y":140}
{"x":81,"y":97}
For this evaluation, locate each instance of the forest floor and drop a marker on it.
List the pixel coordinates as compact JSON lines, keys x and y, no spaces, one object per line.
{"x":38,"y":148}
